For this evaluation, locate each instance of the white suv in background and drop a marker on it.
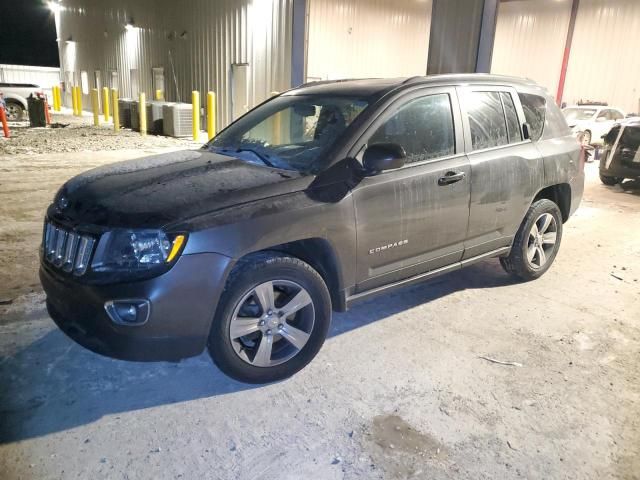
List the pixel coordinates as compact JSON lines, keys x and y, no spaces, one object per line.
{"x":593,"y":121}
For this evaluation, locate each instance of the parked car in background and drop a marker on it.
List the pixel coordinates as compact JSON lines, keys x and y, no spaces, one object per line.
{"x":621,"y":154}
{"x":318,"y":198}
{"x":15,"y":97}
{"x":593,"y":121}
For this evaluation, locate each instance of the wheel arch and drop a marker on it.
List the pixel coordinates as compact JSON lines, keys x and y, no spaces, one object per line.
{"x":560,"y":194}
{"x":10,"y":98}
{"x":320,"y":255}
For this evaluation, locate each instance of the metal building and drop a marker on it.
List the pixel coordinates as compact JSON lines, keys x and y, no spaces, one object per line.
{"x":246,"y":49}
{"x":602,"y":62}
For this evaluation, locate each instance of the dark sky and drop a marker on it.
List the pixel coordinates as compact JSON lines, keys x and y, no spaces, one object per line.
{"x":27,"y":33}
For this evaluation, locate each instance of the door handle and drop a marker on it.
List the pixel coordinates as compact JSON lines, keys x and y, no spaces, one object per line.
{"x":450,"y":177}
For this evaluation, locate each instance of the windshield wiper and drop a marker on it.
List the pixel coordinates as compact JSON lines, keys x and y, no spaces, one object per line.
{"x":261,"y":157}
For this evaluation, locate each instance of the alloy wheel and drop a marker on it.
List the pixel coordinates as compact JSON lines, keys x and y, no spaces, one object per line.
{"x":272,"y":323}
{"x":542,"y":240}
{"x":13,"y":112}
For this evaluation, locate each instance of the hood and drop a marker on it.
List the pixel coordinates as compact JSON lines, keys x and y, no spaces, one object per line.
{"x":155,"y":191}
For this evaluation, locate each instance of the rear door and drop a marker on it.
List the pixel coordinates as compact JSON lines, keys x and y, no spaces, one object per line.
{"x":412,"y":219}
{"x":506,"y":170}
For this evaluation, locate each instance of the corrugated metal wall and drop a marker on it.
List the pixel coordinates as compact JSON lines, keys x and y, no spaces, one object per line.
{"x":367,"y":38}
{"x":605,"y":57}
{"x":604,"y":64}
{"x":530,"y":38}
{"x":204,"y":38}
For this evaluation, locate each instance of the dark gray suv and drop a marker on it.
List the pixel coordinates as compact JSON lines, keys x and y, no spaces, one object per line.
{"x":320,"y":197}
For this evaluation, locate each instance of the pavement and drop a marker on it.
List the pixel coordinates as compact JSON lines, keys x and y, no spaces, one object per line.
{"x":399,"y":390}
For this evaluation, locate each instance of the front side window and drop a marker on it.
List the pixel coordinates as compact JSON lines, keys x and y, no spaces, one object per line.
{"x":423,"y":127}
{"x":291,"y":132}
{"x":535,"y":109}
{"x":486,"y":120}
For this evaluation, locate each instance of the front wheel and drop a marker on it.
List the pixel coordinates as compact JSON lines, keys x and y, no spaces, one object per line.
{"x":15,"y":112}
{"x":536,"y":243}
{"x":272,"y":319}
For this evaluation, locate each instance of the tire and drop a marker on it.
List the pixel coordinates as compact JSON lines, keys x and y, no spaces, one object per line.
{"x":519,"y":263}
{"x":292,"y":340}
{"x":609,"y":180}
{"x":15,"y":111}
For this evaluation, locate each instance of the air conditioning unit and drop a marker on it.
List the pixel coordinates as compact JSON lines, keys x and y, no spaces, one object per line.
{"x":156,"y":120}
{"x":124,"y":108}
{"x":177,"y":119}
{"x":135,"y":116}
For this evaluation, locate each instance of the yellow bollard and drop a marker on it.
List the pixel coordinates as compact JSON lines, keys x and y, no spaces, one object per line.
{"x":116,"y":113}
{"x":105,"y":103}
{"x":54,"y":93}
{"x":142,"y":112}
{"x":95,"y":106}
{"x":79,"y":101}
{"x":211,"y":115}
{"x":159,"y":95}
{"x":74,"y":105}
{"x":195,"y":104}
{"x":58,"y":97}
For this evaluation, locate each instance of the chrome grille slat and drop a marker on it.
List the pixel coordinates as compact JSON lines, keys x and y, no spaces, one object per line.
{"x":61,"y":241}
{"x":69,"y":251}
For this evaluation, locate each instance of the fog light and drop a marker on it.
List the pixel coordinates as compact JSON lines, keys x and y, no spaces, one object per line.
{"x":128,"y":312}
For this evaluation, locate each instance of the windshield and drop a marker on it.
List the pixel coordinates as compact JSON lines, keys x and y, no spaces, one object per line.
{"x":573,"y":114}
{"x":290,"y":132}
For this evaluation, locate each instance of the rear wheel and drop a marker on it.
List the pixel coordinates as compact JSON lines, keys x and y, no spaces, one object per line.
{"x":609,"y":180}
{"x":272,"y":319}
{"x":536,"y":243}
{"x":15,"y":111}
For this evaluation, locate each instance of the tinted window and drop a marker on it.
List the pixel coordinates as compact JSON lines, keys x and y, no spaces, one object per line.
{"x":513,"y":124}
{"x":424,"y":128}
{"x":534,"y":108}
{"x":486,"y":120}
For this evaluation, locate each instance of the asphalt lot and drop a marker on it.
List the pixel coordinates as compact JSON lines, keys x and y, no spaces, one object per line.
{"x":398,"y":391}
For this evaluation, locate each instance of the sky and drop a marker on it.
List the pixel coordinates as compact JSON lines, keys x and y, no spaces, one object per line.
{"x":27,"y":33}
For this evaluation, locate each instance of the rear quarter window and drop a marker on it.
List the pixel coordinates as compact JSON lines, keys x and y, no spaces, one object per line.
{"x":535,"y":110}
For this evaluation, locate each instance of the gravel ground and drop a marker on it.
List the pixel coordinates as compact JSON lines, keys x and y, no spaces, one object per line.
{"x":79,"y":135}
{"x":398,"y":391}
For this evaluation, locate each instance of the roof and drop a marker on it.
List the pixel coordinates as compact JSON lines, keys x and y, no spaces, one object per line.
{"x":379,"y":86}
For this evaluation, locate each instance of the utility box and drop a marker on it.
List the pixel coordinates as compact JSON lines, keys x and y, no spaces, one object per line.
{"x":135,"y":115}
{"x":37,"y":114}
{"x":156,"y":125}
{"x":124,"y":107}
{"x":177,"y":120}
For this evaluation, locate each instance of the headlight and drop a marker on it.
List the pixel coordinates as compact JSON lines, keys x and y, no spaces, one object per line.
{"x":136,"y":251}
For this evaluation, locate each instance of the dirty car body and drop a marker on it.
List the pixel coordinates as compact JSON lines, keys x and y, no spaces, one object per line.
{"x":335,"y":177}
{"x":621,"y":153}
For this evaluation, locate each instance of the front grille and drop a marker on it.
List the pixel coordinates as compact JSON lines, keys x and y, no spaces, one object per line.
{"x":66,"y":250}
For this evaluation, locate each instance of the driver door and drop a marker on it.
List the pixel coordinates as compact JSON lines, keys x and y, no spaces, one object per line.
{"x":414,"y":219}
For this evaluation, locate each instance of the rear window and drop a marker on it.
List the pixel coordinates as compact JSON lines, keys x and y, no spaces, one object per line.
{"x":534,"y":107}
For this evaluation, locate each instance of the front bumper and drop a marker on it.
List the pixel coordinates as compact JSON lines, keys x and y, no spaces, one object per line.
{"x":183,"y":303}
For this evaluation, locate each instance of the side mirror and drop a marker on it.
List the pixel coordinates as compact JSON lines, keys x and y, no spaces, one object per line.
{"x":383,"y":156}
{"x":525,"y":131}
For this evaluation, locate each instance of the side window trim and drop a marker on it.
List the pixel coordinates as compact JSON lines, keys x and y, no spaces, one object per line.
{"x":389,"y":109}
{"x":462,"y":91}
